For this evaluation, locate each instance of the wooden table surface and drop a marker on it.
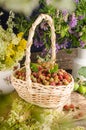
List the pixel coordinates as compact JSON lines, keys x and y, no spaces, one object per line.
{"x":79,"y":100}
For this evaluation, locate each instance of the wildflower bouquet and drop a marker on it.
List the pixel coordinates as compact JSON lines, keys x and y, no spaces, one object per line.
{"x":70,"y":27}
{"x":12,"y":46}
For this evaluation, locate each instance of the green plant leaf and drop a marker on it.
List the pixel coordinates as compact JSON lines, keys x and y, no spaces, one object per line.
{"x":36,"y":113}
{"x":34,"y":67}
{"x":83,"y":37}
{"x":76,"y":86}
{"x":54,"y":69}
{"x":82,"y":71}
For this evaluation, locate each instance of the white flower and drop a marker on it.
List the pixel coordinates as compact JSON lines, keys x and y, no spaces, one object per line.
{"x":24,"y":6}
{"x":62,"y":4}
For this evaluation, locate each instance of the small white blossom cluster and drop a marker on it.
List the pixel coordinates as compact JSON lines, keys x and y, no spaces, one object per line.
{"x":25,"y":116}
{"x":24,"y":6}
{"x":62,"y":4}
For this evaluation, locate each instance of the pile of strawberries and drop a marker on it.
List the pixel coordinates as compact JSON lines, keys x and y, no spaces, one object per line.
{"x":76,"y":109}
{"x":46,"y":75}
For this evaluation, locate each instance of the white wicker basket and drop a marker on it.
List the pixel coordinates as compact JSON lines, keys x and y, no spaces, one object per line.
{"x":35,"y":93}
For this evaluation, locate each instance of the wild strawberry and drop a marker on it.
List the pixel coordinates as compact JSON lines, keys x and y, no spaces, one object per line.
{"x":23,"y":78}
{"x":42,"y":77}
{"x":67,"y":77}
{"x":53,"y":83}
{"x":17,"y":76}
{"x":49,"y":75}
{"x":59,"y":83}
{"x":65,"y":82}
{"x":23,"y":74}
{"x":80,"y":114}
{"x":47,"y":78}
{"x":19,"y":73}
{"x":34,"y":74}
{"x":56,"y":79}
{"x":47,"y":83}
{"x":44,"y":82}
{"x":20,"y":77}
{"x":71,"y":106}
{"x":33,"y":78}
{"x":60,"y":73}
{"x":40,"y":68}
{"x":54,"y":75}
{"x":60,"y":77}
{"x":38,"y":80}
{"x":51,"y":79}
{"x":66,"y":108}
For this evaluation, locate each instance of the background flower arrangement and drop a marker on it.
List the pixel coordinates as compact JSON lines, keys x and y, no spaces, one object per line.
{"x":70,"y":27}
{"x":12,"y":46}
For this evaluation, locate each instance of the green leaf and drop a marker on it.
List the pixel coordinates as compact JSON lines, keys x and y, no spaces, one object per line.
{"x":64,"y":31}
{"x":69,"y":51}
{"x":76,"y":86}
{"x":54,"y":69}
{"x":34,"y":67}
{"x":36,"y":113}
{"x":82,"y":71}
{"x":83,"y":38}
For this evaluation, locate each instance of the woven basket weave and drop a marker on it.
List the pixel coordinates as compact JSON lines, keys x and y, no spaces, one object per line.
{"x":35,"y":93}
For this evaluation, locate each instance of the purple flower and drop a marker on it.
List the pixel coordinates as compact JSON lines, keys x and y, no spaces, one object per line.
{"x":65,"y":44}
{"x":37,"y":43}
{"x":39,"y":32}
{"x":73,"y":21}
{"x":71,"y":31}
{"x":64,"y":12}
{"x":82,"y":44}
{"x":44,"y":51}
{"x":77,"y":1}
{"x":57,"y":47}
{"x":65,"y":15}
{"x":44,"y":26}
{"x":81,"y":17}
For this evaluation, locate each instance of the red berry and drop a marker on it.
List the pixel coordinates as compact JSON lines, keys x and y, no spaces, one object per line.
{"x":59,"y":83}
{"x":65,"y":82}
{"x":54,"y":75}
{"x":72,"y":106}
{"x":66,"y":107}
{"x":80,"y":114}
{"x":53,"y":83}
{"x":60,"y":77}
{"x":40,"y":68}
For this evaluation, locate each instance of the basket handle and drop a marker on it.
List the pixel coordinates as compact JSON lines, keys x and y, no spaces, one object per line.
{"x":30,"y":42}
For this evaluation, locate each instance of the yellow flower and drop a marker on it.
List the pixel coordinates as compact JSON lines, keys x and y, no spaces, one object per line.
{"x":12,"y":53}
{"x":20,"y":49}
{"x":23,"y":43}
{"x":10,"y":46}
{"x":20,"y":35}
{"x":9,"y":61}
{"x":16,"y":40}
